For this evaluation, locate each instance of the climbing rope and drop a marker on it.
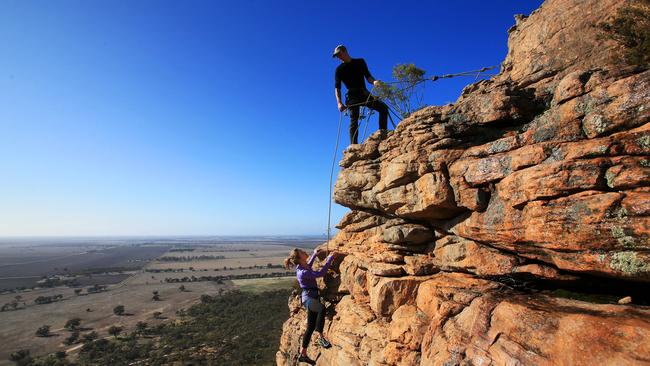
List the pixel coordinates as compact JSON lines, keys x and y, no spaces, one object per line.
{"x":329,"y":208}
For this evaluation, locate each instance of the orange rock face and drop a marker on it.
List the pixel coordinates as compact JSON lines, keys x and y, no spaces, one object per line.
{"x":502,"y":229}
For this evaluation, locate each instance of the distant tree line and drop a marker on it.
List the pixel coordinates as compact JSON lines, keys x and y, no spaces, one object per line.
{"x":47,"y":299}
{"x":96,"y":289}
{"x":55,"y":282}
{"x":190,"y":258}
{"x":220,"y":279}
{"x":14,"y":304}
{"x":225,"y":268}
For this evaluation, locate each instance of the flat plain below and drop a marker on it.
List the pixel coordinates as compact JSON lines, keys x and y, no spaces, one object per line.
{"x":135,"y":292}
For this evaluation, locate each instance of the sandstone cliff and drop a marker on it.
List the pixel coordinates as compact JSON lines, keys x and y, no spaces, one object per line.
{"x":501,"y":229}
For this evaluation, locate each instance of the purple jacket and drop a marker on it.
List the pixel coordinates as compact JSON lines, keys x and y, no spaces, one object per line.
{"x":307,"y":277}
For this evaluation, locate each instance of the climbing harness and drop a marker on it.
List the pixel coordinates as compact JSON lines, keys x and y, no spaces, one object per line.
{"x":364,"y":109}
{"x":391,"y":110}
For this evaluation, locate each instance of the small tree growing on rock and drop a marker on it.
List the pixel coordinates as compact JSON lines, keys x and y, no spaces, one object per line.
{"x":407,"y":93}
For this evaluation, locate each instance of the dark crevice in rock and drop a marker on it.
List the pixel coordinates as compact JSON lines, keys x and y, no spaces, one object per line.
{"x":585,"y":287}
{"x":480,"y":135}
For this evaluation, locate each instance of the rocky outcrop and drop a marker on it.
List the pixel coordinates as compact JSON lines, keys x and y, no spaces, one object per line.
{"x":502,"y":229}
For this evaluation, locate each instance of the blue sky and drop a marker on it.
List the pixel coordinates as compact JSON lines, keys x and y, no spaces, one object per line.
{"x":202,"y":117}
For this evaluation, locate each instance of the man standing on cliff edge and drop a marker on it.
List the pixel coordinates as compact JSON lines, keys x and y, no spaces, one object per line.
{"x":353,"y":72}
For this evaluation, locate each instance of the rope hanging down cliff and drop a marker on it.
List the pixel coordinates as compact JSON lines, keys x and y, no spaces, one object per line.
{"x":338,"y":133}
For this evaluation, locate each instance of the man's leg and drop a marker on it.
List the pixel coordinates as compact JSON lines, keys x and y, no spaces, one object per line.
{"x":354,"y":124}
{"x":382,"y":109}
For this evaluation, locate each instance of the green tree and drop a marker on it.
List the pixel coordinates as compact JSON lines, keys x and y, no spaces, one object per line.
{"x":406,"y":93}
{"x":141,"y":327}
{"x":21,"y":357}
{"x":118,"y":310}
{"x":89,"y":337}
{"x":43,"y":331}
{"x":72,"y":338}
{"x":72,"y":324}
{"x":115,"y":330}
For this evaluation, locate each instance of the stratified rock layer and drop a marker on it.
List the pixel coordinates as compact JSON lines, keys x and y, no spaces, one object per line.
{"x":470,"y":220}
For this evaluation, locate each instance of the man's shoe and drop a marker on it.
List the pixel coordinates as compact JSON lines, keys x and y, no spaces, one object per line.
{"x":324,"y":342}
{"x":306,"y":359}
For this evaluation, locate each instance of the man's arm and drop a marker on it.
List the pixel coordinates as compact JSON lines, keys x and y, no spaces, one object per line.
{"x":337,"y":92}
{"x":368,"y":76}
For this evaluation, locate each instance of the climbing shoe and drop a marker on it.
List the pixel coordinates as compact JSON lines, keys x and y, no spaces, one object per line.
{"x":324,"y":342}
{"x":306,"y":359}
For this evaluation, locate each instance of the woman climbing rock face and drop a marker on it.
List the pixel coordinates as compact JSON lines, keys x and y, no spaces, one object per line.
{"x":310,"y":296}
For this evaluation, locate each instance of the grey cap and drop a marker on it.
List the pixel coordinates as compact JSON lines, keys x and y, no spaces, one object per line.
{"x":338,"y":49}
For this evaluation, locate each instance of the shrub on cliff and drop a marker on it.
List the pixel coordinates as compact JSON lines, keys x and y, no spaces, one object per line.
{"x":631,"y":29}
{"x":407,"y":92}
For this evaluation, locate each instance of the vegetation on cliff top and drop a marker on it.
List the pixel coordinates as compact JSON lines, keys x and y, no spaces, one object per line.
{"x":631,"y":29}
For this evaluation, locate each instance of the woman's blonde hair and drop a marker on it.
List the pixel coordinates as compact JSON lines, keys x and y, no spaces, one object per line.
{"x":293,"y":259}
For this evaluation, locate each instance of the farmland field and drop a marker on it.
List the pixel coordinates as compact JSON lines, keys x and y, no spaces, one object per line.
{"x":25,"y":266}
{"x":125,"y":275}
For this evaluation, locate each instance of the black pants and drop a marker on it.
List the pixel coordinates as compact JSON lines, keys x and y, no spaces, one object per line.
{"x":315,"y":319}
{"x":358,"y":99}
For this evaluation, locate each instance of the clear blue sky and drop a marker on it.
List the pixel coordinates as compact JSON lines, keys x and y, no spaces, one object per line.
{"x":202,"y":117}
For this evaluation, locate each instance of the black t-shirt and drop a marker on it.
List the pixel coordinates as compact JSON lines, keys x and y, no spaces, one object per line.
{"x":352,"y":74}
